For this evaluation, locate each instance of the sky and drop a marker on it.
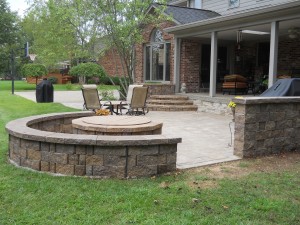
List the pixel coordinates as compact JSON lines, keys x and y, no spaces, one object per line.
{"x":17,"y":5}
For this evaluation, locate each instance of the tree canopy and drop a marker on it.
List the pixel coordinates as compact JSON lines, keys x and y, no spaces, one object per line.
{"x":34,"y":70}
{"x":10,"y":36}
{"x":77,"y":30}
{"x":87,"y":70}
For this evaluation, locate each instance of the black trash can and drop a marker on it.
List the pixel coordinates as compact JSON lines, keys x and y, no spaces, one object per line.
{"x":44,"y":91}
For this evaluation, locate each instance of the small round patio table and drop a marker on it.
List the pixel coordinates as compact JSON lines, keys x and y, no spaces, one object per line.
{"x":116,"y":125}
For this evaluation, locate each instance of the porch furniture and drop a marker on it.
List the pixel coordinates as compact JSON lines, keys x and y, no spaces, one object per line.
{"x":91,"y":98}
{"x":235,"y":84}
{"x":137,"y":104}
{"x":115,"y":106}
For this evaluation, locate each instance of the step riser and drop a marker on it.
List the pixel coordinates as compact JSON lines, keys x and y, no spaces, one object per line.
{"x":170,"y":109}
{"x":168,"y":97}
{"x":170,"y":103}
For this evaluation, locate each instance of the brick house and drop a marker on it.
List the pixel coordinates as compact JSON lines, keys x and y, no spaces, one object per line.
{"x":208,"y":39}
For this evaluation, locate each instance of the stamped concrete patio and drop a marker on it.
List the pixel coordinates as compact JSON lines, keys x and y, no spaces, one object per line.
{"x":205,"y":137}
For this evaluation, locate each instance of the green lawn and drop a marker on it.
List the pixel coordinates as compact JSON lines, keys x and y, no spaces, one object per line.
{"x":24,"y":86}
{"x":189,"y":197}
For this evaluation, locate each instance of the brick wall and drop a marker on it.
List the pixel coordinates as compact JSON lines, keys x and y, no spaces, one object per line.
{"x":288,"y":54}
{"x":190,"y":65}
{"x":112,"y":63}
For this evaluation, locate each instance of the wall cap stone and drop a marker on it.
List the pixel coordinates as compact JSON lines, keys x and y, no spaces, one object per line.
{"x":265,"y":100}
{"x":20,"y":128}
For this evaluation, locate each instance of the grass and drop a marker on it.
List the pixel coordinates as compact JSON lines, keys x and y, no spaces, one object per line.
{"x":24,"y":86}
{"x":28,"y":197}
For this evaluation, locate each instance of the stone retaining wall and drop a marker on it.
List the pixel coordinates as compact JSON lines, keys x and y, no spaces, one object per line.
{"x":266,"y":126}
{"x":216,"y":105}
{"x":160,"y":89}
{"x":45,"y":143}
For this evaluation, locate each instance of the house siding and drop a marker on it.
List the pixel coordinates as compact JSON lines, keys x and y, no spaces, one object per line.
{"x":222,"y":6}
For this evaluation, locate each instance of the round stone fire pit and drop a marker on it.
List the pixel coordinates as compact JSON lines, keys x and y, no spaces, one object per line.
{"x":116,"y":125}
{"x":47,"y":143}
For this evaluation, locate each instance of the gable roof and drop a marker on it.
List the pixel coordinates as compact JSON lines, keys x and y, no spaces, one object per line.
{"x":184,"y":15}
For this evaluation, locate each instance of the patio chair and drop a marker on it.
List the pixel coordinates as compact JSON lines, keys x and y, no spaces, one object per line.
{"x":137,"y":105}
{"x":91,"y":98}
{"x":124,"y":104}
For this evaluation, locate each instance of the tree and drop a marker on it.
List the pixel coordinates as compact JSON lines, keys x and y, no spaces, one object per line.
{"x":123,"y":22}
{"x":34,"y":70}
{"x":86,"y":70}
{"x":61,"y":30}
{"x":9,"y":35}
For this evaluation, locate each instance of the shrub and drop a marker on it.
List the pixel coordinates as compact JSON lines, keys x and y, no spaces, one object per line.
{"x":87,"y":70}
{"x":53,"y":80}
{"x":107,"y":96}
{"x":34,"y":70}
{"x":105,"y":80}
{"x":110,"y":80}
{"x":91,"y":81}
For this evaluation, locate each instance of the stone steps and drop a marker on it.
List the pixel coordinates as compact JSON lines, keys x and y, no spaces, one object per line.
{"x":169,"y":97}
{"x":170,"y":103}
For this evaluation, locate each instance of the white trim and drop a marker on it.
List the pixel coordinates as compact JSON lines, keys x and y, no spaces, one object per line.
{"x":213,"y":64}
{"x":242,"y":19}
{"x":177,"y":50}
{"x":273,"y":53}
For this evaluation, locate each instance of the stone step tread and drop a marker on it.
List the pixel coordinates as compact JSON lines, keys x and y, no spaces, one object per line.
{"x":152,"y":107}
{"x":170,"y":97}
{"x":170,"y":102}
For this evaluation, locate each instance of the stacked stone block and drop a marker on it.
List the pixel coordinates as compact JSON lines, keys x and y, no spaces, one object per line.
{"x":265,"y":126}
{"x":88,"y":155}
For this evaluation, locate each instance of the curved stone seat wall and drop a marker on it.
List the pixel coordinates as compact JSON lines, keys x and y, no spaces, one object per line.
{"x":46,"y":143}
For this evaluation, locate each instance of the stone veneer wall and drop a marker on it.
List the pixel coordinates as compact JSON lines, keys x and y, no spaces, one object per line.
{"x":216,"y":105}
{"x":266,"y":126}
{"x":37,"y":142}
{"x":160,"y":89}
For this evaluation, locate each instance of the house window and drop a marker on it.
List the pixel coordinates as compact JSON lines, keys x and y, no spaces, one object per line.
{"x":195,"y":4}
{"x":157,"y":58}
{"x":233,"y":3}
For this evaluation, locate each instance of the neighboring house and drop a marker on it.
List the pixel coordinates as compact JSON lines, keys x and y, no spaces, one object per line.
{"x":218,"y":37}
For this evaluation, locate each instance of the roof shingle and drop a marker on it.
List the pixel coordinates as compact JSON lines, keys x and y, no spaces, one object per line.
{"x":185,"y":15}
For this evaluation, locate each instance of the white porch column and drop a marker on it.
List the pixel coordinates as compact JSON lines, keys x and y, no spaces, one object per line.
{"x":273,"y":53}
{"x":213,"y":64}
{"x":177,"y":64}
